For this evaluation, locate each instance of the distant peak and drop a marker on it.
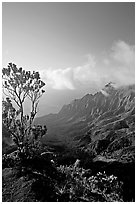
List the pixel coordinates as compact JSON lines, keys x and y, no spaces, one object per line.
{"x":110,"y":84}
{"x":109,"y":88}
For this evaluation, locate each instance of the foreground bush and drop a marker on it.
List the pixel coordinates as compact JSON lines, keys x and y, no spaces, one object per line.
{"x":77,"y":187}
{"x":65,"y":183}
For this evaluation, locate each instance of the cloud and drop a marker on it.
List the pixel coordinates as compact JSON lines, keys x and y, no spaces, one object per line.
{"x":118,"y":66}
{"x":59,"y":78}
{"x":123,"y":53}
{"x":104,"y":92}
{"x":122,"y":63}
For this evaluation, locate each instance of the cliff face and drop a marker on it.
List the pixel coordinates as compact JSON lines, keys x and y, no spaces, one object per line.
{"x":93,"y":117}
{"x":106,"y":103}
{"x":112,"y":132}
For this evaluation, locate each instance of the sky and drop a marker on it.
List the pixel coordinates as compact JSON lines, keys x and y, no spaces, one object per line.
{"x":77,"y":47}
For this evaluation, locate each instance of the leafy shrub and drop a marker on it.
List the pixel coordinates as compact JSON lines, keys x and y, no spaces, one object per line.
{"x":8,"y":161}
{"x":78,"y":187}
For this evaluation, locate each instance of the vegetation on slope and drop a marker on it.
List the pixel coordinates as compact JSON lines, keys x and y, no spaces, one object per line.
{"x":94,"y":168}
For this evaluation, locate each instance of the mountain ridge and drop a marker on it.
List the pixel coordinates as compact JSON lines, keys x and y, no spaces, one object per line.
{"x":82,"y":103}
{"x":92,"y":113}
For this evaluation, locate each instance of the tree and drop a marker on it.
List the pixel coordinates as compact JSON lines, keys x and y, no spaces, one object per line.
{"x":18,"y":85}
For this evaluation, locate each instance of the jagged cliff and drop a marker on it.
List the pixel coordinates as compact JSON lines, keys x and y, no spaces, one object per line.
{"x":91,"y":117}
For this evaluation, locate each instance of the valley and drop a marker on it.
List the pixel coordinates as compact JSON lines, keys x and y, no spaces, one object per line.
{"x":103,"y":122}
{"x":99,"y":131}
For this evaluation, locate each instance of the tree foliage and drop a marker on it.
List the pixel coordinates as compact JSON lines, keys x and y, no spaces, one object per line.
{"x":18,"y":85}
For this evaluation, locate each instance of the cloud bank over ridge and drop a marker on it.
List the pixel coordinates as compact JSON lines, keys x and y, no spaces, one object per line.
{"x":117,"y":65}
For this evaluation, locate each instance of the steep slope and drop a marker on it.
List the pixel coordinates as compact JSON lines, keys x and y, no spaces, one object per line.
{"x":90,"y":118}
{"x":112,"y":133}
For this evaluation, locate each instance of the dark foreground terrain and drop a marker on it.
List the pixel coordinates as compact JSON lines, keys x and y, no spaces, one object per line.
{"x":88,"y":153}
